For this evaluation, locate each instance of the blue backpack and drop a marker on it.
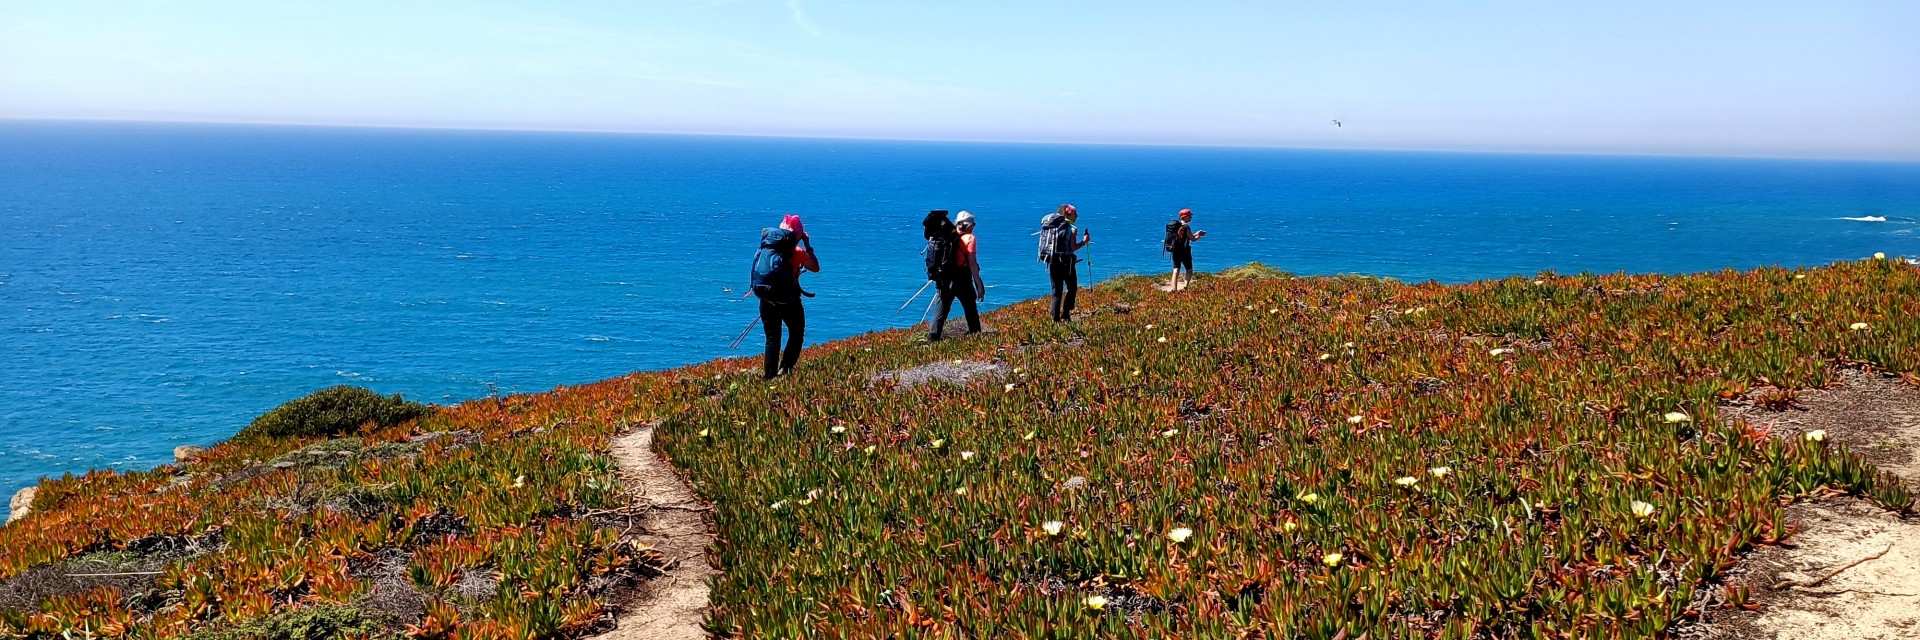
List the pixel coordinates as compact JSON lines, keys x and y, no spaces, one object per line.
{"x":773,"y":276}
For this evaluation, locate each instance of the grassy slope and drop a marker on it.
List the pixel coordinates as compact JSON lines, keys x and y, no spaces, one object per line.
{"x":1225,"y":429}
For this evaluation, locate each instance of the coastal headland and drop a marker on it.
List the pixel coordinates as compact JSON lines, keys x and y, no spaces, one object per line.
{"x":1728,"y":454}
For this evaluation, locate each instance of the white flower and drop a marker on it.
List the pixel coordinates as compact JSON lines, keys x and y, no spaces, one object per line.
{"x":1675,"y":416}
{"x":1800,"y":276}
{"x":778,"y":505}
{"x":1879,"y":255}
{"x":1499,"y":352}
{"x":1136,"y":372}
{"x":1309,"y":498}
{"x":1348,"y":345}
{"x":960,"y":491}
{"x":838,"y":429}
{"x":1857,"y":326}
{"x":1355,"y":419}
{"x":1163,"y":339}
{"x":1406,"y":481}
{"x":1009,"y":386}
{"x":1816,"y":435}
{"x":966,"y":455}
{"x":1539,"y":282}
{"x":1642,"y":509}
{"x":1180,"y":534}
{"x":1326,"y":356}
{"x":1169,"y":433}
{"x":958,"y":361}
{"x":1440,"y":472}
{"x":1274,"y":310}
{"x":519,"y":481}
{"x":1249,"y":307}
{"x":1096,"y":603}
{"x":1149,"y":326}
{"x":1052,"y":527}
{"x":1333,"y":559}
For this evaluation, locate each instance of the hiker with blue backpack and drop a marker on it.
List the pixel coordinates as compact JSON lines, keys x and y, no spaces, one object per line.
{"x":775,"y":279}
{"x":1057,"y":247}
{"x":951,"y":268}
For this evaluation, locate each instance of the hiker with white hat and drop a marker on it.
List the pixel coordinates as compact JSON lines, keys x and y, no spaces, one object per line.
{"x":953,"y":270}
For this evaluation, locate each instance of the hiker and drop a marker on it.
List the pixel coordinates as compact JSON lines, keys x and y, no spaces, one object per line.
{"x":1057,"y":247}
{"x":970,"y":249}
{"x":1179,"y":242}
{"x":784,"y":252}
{"x":949,"y":267}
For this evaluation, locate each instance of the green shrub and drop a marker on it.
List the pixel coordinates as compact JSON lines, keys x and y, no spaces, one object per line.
{"x":318,"y":622}
{"x":333,"y":410}
{"x":1252,"y":271}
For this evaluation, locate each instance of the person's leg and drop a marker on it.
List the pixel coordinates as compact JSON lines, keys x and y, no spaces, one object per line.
{"x":1057,"y":274}
{"x":1183,"y":267}
{"x":946,"y":291}
{"x":796,"y":318}
{"x":770,"y":323}
{"x":969,"y":305}
{"x":1073,"y":290}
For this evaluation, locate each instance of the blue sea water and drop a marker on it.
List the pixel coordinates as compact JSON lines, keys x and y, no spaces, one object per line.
{"x":161,"y":284}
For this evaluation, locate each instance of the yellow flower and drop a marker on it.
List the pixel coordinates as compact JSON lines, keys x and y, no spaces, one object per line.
{"x":1288,"y":526}
{"x":871,"y":448}
{"x":960,"y":491}
{"x":1326,"y":356}
{"x":1052,"y":527}
{"x":1816,"y":435}
{"x":1136,"y":372}
{"x":1179,"y":534}
{"x":1857,"y":326}
{"x":1800,"y":276}
{"x":1642,"y":509}
{"x":1169,"y":433}
{"x":1030,"y":435}
{"x":1274,"y":310}
{"x":1348,"y":345}
{"x":1333,"y":559}
{"x":1879,"y":256}
{"x":1406,"y":481}
{"x":1310,"y":498}
{"x":1440,"y":472}
{"x":1249,"y":307}
{"x":1096,"y":603}
{"x":1675,"y":416}
{"x":705,"y":433}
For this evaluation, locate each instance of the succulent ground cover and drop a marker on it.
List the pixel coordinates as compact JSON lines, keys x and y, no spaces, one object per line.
{"x":1261,"y":456}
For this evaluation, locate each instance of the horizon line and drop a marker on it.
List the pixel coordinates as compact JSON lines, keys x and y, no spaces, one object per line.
{"x":882,"y":138}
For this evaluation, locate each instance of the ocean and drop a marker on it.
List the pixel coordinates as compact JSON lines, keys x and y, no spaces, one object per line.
{"x":162,"y":284}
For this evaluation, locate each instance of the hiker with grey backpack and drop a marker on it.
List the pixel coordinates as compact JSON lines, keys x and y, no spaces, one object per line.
{"x":1057,"y":247}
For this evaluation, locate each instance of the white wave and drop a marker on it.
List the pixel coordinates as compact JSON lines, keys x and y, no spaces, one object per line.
{"x":1868,"y":219}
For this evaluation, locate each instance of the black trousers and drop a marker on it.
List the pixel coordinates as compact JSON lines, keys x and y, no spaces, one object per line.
{"x":1183,"y":259}
{"x":772,"y":316}
{"x":951,"y":290}
{"x":1065,"y":274}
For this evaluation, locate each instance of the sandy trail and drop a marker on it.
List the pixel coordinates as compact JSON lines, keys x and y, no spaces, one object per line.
{"x":1879,"y":597}
{"x":672,"y":606}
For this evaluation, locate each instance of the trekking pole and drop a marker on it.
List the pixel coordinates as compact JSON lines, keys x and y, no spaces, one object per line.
{"x":743,"y":333}
{"x":916,"y":296}
{"x":930,"y":302}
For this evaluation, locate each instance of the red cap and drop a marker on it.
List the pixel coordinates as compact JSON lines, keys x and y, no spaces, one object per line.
{"x":792,"y":223}
{"x":1186,"y":212}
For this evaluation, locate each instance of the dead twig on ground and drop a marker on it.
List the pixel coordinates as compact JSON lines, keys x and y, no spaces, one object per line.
{"x":1814,"y":583}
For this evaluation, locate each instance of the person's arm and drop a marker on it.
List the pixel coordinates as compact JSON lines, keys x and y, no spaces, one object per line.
{"x":1086,"y":238}
{"x":808,"y":259}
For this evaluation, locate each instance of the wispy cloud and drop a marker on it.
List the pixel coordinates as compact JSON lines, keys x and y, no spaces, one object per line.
{"x":800,"y":18}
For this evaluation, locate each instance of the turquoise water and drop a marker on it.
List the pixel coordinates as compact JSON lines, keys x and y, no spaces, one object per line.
{"x":163,"y":284}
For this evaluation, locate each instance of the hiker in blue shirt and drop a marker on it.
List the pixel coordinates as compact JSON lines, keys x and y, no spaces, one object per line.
{"x":784,"y":253}
{"x":1057,"y":247}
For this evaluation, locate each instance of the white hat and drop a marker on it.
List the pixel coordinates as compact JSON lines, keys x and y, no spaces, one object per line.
{"x":963,"y":218}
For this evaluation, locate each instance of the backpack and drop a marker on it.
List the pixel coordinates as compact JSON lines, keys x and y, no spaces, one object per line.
{"x":1173,"y":236}
{"x":1056,"y":238}
{"x":773,"y":276}
{"x":943,"y":255}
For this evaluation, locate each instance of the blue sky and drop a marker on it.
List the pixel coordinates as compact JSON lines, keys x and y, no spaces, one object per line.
{"x":1837,"y":78}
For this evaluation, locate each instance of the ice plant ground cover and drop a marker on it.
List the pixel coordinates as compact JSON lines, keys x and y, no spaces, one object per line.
{"x":1298,"y":458}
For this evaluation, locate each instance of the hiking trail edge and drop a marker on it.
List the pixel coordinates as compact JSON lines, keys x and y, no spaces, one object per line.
{"x":671,"y":606}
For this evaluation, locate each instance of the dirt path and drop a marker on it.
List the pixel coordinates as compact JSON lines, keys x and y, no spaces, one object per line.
{"x":672,"y":606}
{"x":1869,"y":558}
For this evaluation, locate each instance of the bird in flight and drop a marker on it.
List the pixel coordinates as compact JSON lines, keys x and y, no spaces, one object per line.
{"x":1336,"y":123}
